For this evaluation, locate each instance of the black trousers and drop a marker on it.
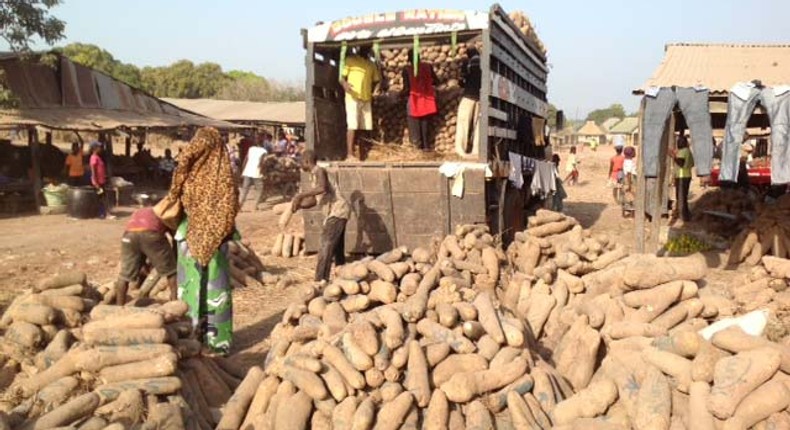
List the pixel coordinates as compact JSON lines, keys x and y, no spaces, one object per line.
{"x":682,"y":194}
{"x":331,"y":247}
{"x":418,"y":131}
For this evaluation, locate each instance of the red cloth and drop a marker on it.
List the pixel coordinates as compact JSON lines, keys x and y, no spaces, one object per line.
{"x":422,"y":99}
{"x":145,"y":220}
{"x":101,"y":171}
{"x":617,"y":165}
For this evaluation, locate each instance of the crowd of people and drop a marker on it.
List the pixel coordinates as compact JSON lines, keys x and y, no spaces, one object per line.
{"x":360,"y":76}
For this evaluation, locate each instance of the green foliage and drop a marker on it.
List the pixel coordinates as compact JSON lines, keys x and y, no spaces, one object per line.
{"x":23,"y":20}
{"x":97,"y":58}
{"x":552,"y":116}
{"x":600,"y":115}
{"x":248,"y":86}
{"x":184,"y":79}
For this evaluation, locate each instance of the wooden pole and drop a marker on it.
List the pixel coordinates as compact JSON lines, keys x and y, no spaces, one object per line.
{"x":35,"y":155}
{"x":660,"y":190}
{"x":640,"y":185}
{"x":128,"y":145}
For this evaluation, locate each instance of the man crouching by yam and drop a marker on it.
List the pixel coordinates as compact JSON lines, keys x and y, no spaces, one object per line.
{"x":145,"y":237}
{"x":336,"y":211}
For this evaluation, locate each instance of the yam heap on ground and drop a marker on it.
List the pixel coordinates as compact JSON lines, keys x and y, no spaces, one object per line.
{"x":564,"y":330}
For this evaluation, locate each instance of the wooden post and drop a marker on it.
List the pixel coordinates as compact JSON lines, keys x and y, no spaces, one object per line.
{"x":660,"y":191}
{"x":128,"y":145}
{"x":35,"y":155}
{"x":106,"y":138}
{"x":641,"y":194}
{"x":484,"y":104}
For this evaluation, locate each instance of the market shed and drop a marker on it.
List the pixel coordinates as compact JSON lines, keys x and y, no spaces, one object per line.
{"x":63,"y":95}
{"x":271,"y":115}
{"x":692,"y":90}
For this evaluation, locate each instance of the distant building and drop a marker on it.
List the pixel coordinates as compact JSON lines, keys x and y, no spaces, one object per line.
{"x":628,"y":128}
{"x":591,"y":132}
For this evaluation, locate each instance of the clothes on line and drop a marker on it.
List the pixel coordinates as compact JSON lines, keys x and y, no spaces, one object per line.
{"x":742,"y":102}
{"x":544,"y":174}
{"x":693,"y":103}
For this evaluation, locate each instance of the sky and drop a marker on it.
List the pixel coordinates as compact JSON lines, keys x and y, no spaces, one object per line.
{"x":599,"y":51}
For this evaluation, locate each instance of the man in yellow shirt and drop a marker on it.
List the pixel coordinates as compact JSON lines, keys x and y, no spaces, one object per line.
{"x":359,"y":75}
{"x":684,"y":161}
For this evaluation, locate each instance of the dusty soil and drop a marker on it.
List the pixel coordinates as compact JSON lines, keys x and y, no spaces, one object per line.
{"x":35,"y":247}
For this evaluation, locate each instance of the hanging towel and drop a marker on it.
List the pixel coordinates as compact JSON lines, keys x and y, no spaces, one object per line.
{"x":544,"y":179}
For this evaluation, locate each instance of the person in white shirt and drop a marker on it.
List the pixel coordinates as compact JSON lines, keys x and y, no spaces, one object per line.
{"x":251,"y":174}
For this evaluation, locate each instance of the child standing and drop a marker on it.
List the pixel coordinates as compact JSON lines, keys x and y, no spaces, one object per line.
{"x":572,"y":168}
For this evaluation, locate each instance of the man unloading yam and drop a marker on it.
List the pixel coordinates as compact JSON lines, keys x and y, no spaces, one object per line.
{"x":145,"y":238}
{"x":336,"y":210}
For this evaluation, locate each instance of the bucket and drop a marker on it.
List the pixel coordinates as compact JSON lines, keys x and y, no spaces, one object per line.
{"x":54,"y":195}
{"x":83,"y":202}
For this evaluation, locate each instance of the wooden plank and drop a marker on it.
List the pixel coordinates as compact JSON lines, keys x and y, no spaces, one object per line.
{"x":311,"y":118}
{"x":640,"y":187}
{"x":419,"y":204}
{"x":502,"y":132}
{"x":660,"y":191}
{"x":498,"y":114}
{"x":517,"y":38}
{"x":485,"y":93}
{"x":370,"y":227}
{"x":505,"y":89}
{"x":505,"y":18}
{"x":35,"y":155}
{"x":505,"y":57}
{"x":471,"y":208}
{"x":534,"y":66}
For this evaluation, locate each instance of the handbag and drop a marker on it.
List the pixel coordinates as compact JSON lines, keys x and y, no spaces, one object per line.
{"x":170,"y":211}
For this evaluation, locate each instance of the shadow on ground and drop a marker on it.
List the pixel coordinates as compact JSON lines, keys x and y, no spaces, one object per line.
{"x":587,"y":213}
{"x":247,"y":341}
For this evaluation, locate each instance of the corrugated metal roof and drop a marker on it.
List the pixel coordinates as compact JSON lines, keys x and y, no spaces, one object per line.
{"x":720,"y":66}
{"x":609,"y":123}
{"x":590,"y":128}
{"x":74,"y":97}
{"x":626,"y":126}
{"x":291,"y":113}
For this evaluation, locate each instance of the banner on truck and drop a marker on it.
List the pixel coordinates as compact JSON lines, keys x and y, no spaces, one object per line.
{"x":398,"y":24}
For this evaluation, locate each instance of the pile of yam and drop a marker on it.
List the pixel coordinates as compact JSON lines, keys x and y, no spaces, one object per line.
{"x":246,"y":268}
{"x":527,"y":29}
{"x":411,"y":339}
{"x":724,"y":211}
{"x":390,"y":107}
{"x":69,"y":361}
{"x":287,"y":245}
{"x":565,"y":330}
{"x":277,"y":170}
{"x":767,"y":234}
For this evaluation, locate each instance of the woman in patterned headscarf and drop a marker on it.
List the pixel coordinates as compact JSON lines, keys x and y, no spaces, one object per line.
{"x":204,"y":184}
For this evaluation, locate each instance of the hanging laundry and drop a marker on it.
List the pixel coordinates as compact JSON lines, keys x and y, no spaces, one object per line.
{"x":740,"y":107}
{"x":693,"y":103}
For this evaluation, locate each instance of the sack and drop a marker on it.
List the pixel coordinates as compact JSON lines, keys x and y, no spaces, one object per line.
{"x":170,"y":211}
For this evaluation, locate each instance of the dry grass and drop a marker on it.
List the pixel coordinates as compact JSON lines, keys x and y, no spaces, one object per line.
{"x":384,"y":151}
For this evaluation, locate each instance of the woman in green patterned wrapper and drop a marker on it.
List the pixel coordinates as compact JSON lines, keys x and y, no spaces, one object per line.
{"x":204,"y":184}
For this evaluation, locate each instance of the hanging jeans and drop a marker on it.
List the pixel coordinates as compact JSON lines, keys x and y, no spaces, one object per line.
{"x":694,"y":105}
{"x":739,"y":111}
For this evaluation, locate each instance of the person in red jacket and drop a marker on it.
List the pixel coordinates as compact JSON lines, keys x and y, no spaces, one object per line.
{"x":418,"y":83}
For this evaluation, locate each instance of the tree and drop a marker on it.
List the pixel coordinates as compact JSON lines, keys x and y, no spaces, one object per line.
{"x":97,"y":58}
{"x":600,"y":115}
{"x":552,"y":115}
{"x":248,"y":86}
{"x":183,"y":79}
{"x":23,"y":20}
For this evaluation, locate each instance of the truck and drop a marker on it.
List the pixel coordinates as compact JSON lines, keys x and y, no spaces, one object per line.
{"x":407,"y":203}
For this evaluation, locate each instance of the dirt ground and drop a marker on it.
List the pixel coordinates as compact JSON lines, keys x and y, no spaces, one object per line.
{"x":35,"y":247}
